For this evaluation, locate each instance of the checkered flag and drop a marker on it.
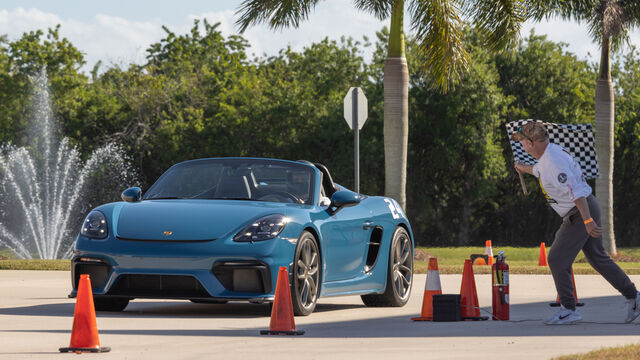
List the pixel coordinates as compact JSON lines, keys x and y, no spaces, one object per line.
{"x":577,"y":139}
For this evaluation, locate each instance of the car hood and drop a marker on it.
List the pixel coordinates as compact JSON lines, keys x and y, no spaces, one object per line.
{"x":188,"y":220}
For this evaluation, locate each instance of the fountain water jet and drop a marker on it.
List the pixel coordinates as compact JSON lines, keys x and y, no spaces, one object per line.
{"x":46,"y":188}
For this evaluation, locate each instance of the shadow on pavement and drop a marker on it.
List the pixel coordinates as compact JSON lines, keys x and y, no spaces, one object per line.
{"x":602,"y":317}
{"x":174,"y":309}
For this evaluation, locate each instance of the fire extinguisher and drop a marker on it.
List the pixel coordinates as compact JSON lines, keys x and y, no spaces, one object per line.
{"x":500,"y":288}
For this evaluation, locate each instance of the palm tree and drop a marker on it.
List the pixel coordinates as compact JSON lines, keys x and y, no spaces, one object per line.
{"x":609,"y":23}
{"x":437,"y":26}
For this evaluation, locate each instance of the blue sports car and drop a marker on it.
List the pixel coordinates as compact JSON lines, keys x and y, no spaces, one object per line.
{"x":217,"y":230}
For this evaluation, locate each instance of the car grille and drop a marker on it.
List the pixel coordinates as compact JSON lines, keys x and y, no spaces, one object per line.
{"x":178,"y":286}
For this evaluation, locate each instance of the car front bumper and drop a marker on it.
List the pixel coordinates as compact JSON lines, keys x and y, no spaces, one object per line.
{"x":219,"y":269}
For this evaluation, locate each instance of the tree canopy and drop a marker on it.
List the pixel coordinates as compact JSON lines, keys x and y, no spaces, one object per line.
{"x":200,"y":95}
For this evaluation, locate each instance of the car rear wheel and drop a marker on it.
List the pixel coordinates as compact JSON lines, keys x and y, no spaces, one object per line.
{"x":306,"y":275}
{"x":399,"y":273}
{"x":110,"y":304}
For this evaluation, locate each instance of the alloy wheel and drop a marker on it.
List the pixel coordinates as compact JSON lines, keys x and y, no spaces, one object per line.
{"x":307,"y":273}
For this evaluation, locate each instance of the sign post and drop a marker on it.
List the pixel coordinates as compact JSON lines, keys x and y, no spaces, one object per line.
{"x":355,"y":113}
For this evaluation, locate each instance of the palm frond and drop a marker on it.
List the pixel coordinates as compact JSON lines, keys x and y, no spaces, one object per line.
{"x":277,"y":14}
{"x":379,"y":8}
{"x":565,"y":9}
{"x":609,"y":21}
{"x":438,"y":30}
{"x":611,"y":15}
{"x":631,"y":10}
{"x":499,"y":20}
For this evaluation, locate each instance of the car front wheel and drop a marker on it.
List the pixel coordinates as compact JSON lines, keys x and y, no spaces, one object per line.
{"x":306,"y":275}
{"x":399,"y":273}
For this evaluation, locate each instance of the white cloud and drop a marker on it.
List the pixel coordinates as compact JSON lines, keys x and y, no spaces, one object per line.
{"x":21,"y":20}
{"x":117,"y":40}
{"x":575,"y":35}
{"x":114,"y":40}
{"x":331,"y":18}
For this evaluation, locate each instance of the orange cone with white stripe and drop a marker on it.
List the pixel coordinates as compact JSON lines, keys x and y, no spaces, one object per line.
{"x":489,"y":251}
{"x":432,"y":287}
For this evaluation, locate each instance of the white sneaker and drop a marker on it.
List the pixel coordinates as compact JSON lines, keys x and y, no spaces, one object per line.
{"x":563,"y":317}
{"x":633,"y":309}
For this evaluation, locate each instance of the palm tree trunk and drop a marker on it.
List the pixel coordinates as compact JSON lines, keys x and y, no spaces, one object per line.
{"x":396,"y":110}
{"x":464,"y":234}
{"x":605,"y":147}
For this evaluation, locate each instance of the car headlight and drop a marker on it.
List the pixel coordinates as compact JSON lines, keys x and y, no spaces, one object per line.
{"x":264,"y":228}
{"x":95,"y":225}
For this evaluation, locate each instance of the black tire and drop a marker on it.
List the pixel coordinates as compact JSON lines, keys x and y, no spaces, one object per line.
{"x":205,"y":301}
{"x":399,"y":273}
{"x":306,"y":275}
{"x":110,"y":304}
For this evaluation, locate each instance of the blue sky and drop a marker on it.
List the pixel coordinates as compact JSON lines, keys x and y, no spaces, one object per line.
{"x":140,"y":10}
{"x":118,"y":32}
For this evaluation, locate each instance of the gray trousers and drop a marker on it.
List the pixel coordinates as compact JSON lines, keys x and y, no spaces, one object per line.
{"x":570,"y":239}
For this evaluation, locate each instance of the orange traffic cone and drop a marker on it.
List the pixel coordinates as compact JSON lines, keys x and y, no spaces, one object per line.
{"x":479,"y":259}
{"x":84,"y":334}
{"x":489,"y":251}
{"x":542,"y":261}
{"x":470,"y":310}
{"x":431,"y":287}
{"x":282,"y":322}
{"x":575,"y":293}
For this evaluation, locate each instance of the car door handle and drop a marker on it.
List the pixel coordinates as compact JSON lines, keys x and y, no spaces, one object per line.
{"x":367,"y":225}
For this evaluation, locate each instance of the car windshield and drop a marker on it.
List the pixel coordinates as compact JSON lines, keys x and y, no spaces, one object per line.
{"x":236,"y":179}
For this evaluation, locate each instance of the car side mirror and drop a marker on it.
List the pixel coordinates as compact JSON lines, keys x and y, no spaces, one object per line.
{"x":344,"y":198}
{"x":132,"y":194}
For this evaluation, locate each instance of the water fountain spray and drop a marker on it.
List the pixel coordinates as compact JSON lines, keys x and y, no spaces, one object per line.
{"x":46,"y":188}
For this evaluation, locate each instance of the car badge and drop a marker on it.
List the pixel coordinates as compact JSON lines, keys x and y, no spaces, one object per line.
{"x":168,"y":233}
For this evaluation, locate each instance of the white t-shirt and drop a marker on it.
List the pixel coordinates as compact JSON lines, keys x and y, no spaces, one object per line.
{"x":560,"y":178}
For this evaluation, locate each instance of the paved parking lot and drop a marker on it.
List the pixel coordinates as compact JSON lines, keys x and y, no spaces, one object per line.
{"x":36,"y":318}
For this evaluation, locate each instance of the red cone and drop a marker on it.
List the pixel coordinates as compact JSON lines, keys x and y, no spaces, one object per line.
{"x":468,"y":293}
{"x":575,"y":293}
{"x":542,"y":261}
{"x":282,"y":322}
{"x":84,"y":334}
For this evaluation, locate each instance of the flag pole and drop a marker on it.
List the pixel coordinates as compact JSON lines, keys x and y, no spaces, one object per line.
{"x":524,"y":186}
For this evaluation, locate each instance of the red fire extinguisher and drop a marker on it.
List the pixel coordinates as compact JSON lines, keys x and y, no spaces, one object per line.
{"x":500,"y":288}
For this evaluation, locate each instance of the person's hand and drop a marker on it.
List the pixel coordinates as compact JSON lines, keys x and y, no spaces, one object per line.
{"x":521,"y":168}
{"x":593,"y":229}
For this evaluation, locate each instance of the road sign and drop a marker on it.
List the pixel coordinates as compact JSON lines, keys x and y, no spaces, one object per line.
{"x":355,"y":112}
{"x":361,"y":107}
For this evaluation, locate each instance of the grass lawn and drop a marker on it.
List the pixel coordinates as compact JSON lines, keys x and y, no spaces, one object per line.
{"x":8,"y":261}
{"x":450,"y":261}
{"x":614,"y":353}
{"x":521,"y":260}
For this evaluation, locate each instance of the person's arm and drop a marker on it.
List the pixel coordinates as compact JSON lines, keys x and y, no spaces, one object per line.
{"x":592,"y":228}
{"x":524,"y":168}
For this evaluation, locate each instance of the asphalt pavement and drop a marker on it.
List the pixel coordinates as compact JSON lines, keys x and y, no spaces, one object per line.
{"x":36,"y":318}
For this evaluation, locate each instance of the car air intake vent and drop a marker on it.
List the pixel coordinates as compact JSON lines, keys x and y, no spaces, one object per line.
{"x":177,"y":286}
{"x":244,"y":276}
{"x":97,"y":272}
{"x":374,"y":248}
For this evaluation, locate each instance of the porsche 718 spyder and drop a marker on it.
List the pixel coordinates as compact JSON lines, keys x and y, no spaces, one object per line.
{"x":217,"y":230}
